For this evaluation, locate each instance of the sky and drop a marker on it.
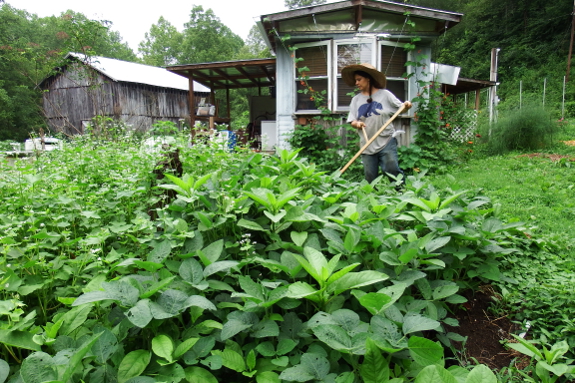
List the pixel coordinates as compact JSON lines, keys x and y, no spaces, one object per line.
{"x":132,"y":19}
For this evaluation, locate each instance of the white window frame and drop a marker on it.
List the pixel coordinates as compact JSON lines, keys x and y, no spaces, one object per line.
{"x":408,"y":69}
{"x":337,"y":76}
{"x":328,"y":45}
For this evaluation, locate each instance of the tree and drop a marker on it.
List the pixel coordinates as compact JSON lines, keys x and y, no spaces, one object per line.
{"x":293,"y":4}
{"x":255,"y":46}
{"x":206,"y":39}
{"x":162,"y":45}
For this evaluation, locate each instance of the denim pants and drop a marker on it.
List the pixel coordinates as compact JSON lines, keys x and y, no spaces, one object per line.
{"x":386,"y":160}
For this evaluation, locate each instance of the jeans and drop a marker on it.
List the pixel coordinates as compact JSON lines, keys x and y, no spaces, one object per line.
{"x":386,"y":159}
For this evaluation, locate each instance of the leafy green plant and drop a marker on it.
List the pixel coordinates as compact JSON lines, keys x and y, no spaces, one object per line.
{"x":550,"y":363}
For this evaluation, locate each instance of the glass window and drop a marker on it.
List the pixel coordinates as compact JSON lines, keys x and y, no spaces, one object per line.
{"x":323,"y":69}
{"x":315,"y":59}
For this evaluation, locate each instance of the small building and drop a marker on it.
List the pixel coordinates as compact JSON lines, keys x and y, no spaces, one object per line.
{"x":321,"y":40}
{"x":136,"y":94}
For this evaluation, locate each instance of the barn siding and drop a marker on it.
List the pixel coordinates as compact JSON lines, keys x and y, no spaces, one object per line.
{"x":70,"y":99}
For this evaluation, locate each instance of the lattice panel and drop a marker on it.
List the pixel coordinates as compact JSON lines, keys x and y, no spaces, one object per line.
{"x":465,"y":126}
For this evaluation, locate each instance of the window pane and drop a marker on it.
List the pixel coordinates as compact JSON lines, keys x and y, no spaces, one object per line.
{"x":303,"y":99}
{"x":314,"y":58}
{"x":397,"y":88}
{"x":393,"y":61}
{"x":342,"y":90}
{"x":349,"y":54}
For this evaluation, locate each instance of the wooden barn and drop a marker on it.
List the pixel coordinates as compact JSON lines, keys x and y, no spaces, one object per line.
{"x":137,"y":94}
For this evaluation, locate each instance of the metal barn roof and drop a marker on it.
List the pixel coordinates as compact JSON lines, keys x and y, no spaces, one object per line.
{"x":125,"y":71}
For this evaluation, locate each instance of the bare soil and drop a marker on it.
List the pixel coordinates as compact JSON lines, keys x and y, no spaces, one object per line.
{"x":486,"y":333}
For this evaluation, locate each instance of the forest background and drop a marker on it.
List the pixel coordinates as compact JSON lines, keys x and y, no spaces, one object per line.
{"x":533,"y":35}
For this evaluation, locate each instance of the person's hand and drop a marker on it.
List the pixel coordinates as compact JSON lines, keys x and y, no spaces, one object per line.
{"x":358,"y":124}
{"x":407,"y":105}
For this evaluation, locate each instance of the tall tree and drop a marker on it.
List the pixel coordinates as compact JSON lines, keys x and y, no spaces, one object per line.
{"x":255,"y":46}
{"x":162,"y":45}
{"x":293,"y":4}
{"x":207,"y":39}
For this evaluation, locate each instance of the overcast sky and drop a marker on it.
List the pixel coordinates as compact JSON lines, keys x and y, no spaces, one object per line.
{"x":132,"y":19}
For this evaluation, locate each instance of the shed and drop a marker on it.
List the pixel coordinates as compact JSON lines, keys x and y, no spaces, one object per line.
{"x":137,"y":94}
{"x":325,"y":38}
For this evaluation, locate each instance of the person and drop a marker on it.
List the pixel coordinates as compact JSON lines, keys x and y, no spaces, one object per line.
{"x":369,"y":110}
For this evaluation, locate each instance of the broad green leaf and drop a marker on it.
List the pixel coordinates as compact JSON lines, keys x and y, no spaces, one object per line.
{"x":141,"y":314}
{"x":266,"y":349}
{"x":191,"y":271}
{"x":122,"y":291}
{"x":444,"y":291}
{"x":408,"y":255}
{"x":74,"y":318}
{"x":152,"y":267}
{"x":251,"y":288}
{"x":133,"y":364}
{"x":298,"y":238}
{"x":214,"y":250}
{"x":199,"y":375}
{"x":301,"y":290}
{"x":355,"y":280}
{"x":435,"y":374}
{"x":199,"y":301}
{"x":414,"y":322}
{"x":340,"y":273}
{"x":105,"y":345}
{"x":424,"y":351}
{"x":251,"y":360}
{"x":160,"y":252}
{"x":316,"y":260}
{"x":163,"y":346}
{"x":334,"y":336}
{"x":38,"y":367}
{"x":267,"y":377}
{"x":4,"y":370}
{"x":436,"y":243}
{"x":231,"y":359}
{"x":285,"y":346}
{"x":446,"y":202}
{"x":250,"y":225}
{"x":20,"y":339}
{"x":481,"y":374}
{"x":374,"y":302}
{"x":312,"y":366}
{"x":219,"y":266}
{"x":157,"y":286}
{"x":76,"y":359}
{"x":185,"y":347}
{"x":275,"y":218}
{"x":374,"y":368}
{"x":526,"y":348}
{"x":93,"y":296}
{"x":558,"y":369}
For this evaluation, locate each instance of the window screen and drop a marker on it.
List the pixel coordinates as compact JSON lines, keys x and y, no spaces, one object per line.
{"x":393,"y":61}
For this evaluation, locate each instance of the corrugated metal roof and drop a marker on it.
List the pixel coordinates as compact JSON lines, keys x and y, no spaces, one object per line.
{"x":125,"y":71}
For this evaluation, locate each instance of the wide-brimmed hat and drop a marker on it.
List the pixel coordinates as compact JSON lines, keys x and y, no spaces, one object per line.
{"x":348,"y":74}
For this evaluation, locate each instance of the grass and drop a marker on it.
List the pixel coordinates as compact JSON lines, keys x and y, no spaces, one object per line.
{"x":538,"y":189}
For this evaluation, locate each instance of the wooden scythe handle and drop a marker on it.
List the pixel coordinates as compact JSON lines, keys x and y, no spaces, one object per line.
{"x":401,"y":108}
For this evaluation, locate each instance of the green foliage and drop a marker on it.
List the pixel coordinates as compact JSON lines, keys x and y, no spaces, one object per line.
{"x":255,"y":268}
{"x":528,"y":128}
{"x":162,"y":45}
{"x":293,"y":4}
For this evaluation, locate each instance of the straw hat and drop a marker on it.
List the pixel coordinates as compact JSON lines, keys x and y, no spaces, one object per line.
{"x":348,"y":74}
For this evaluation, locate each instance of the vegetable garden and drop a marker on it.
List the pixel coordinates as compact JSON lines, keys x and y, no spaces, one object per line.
{"x":262,"y":269}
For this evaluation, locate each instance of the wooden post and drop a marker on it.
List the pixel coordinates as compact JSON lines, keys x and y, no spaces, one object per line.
{"x":191,"y":105}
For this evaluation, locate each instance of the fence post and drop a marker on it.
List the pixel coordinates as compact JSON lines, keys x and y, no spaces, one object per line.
{"x":544,"y":85}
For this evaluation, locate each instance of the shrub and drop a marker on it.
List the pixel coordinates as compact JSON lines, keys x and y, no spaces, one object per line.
{"x":528,"y":128}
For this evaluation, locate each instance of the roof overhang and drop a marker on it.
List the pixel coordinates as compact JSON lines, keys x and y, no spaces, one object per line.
{"x":356,"y":16}
{"x":466,"y":85}
{"x":230,"y":74}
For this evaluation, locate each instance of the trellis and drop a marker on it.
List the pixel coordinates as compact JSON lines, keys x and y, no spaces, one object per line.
{"x":465,"y":127}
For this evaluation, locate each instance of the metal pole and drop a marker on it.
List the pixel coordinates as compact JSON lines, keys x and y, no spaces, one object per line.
{"x":493,"y":89}
{"x":570,"y":43}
